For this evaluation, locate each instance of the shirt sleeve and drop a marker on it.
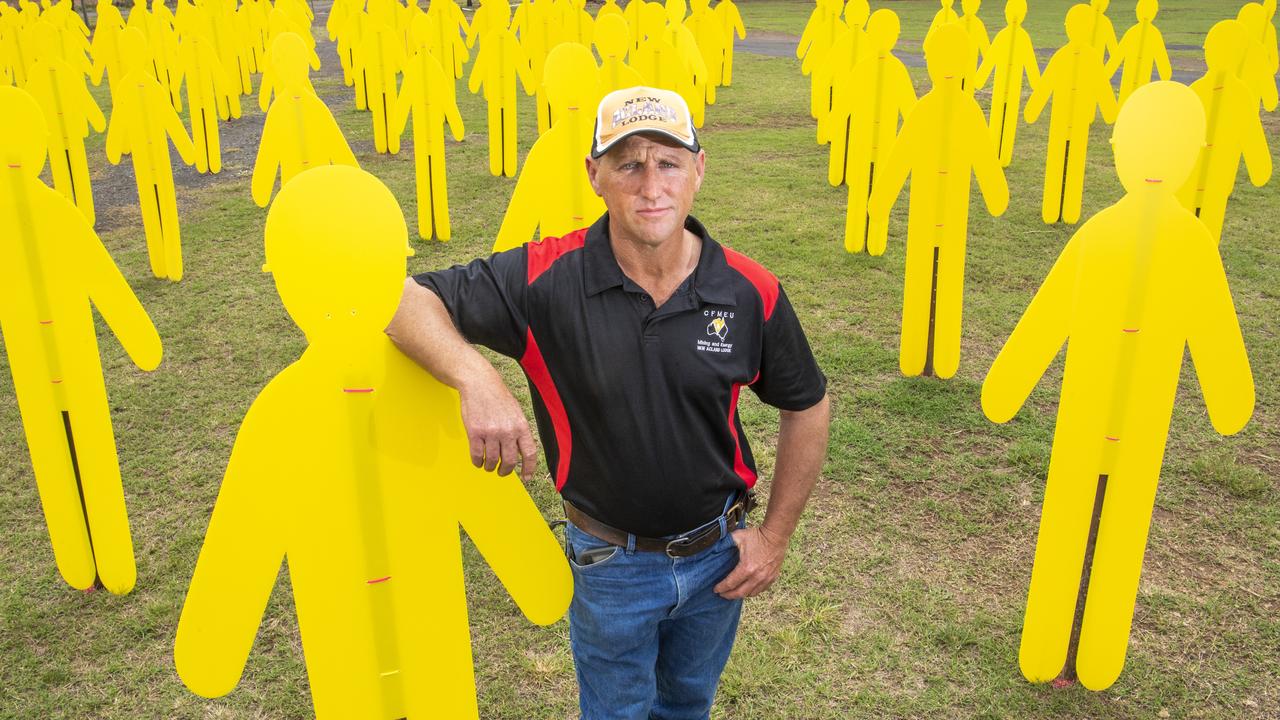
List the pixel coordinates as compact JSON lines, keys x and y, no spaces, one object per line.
{"x":486,"y":299}
{"x":790,"y":378}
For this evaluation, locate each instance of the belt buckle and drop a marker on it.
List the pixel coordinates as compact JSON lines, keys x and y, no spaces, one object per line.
{"x":678,"y":543}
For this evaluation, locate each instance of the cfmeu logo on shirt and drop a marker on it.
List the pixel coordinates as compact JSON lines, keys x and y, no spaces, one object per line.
{"x":718,"y":328}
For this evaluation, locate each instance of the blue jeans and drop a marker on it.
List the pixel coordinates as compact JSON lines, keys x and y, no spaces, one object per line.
{"x":649,"y":636}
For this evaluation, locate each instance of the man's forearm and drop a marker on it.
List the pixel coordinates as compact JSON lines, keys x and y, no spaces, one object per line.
{"x":802,"y":448}
{"x":423,"y":330}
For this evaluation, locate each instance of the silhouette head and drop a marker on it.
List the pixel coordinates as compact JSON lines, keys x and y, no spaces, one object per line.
{"x":653,"y":19}
{"x":1254,"y":17}
{"x":1015,"y":11}
{"x":698,"y":6}
{"x":1158,"y":137}
{"x":1099,"y":5}
{"x":676,"y":10}
{"x":1079,"y":23}
{"x":883,"y":28}
{"x":947,"y":4}
{"x":289,"y":62}
{"x":24,"y":137}
{"x":857,"y":12}
{"x":970,"y":7}
{"x":569,"y":75}
{"x":1270,"y":7}
{"x":47,"y":41}
{"x":1146,"y":10}
{"x":133,"y":50}
{"x":1224,"y":46}
{"x":336,"y":245}
{"x":612,"y":36}
{"x":945,"y":53}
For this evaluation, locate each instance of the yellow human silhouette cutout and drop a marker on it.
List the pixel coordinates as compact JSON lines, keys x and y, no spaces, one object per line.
{"x":142,"y":124}
{"x":299,"y":132}
{"x":707,"y":31}
{"x":1258,"y":66}
{"x":427,"y":91}
{"x":207,"y":81}
{"x":612,"y":38}
{"x":821,"y":32}
{"x":1011,"y":54}
{"x":105,"y":48}
{"x":553,"y":194}
{"x":446,"y":32}
{"x":979,"y":41}
{"x":578,"y":24}
{"x":1232,"y":130}
{"x":1077,"y":82}
{"x":490,"y":14}
{"x":538,"y":24}
{"x":864,"y":124}
{"x":945,"y":16}
{"x":499,"y":63}
{"x":610,"y":7}
{"x":267,"y":85}
{"x":848,"y":46}
{"x":1101,"y":34}
{"x":69,"y":112}
{"x":52,"y":266}
{"x":1141,"y":48}
{"x":380,"y":58}
{"x":942,"y":141}
{"x":352,"y":465}
{"x":694,"y":85}
{"x":1134,"y":286}
{"x":731,"y":24}
{"x":634,"y":14}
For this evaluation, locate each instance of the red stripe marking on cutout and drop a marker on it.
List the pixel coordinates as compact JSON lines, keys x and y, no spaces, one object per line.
{"x":1154,"y":181}
{"x":46,"y":322}
{"x":1131,"y":330}
{"x":535,"y":366}
{"x":357,"y":390}
{"x":375,"y":581}
{"x":15,"y":166}
{"x":1113,"y":439}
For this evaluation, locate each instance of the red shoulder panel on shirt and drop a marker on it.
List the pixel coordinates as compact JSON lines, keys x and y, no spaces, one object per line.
{"x":764,"y":281}
{"x":544,"y":253}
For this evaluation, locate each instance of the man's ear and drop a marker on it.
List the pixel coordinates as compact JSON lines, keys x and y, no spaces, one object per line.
{"x":593,"y":167}
{"x":700,"y":168}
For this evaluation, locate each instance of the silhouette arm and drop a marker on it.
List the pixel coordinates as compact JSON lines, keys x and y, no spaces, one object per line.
{"x":268,"y":160}
{"x":513,"y":537}
{"x":525,"y":74}
{"x":479,"y":68}
{"x":1027,"y":53}
{"x":117,"y":135}
{"x":1163,"y":68}
{"x":452,"y":116}
{"x":1257,"y":157}
{"x":409,"y":89}
{"x":1217,"y":347}
{"x":1035,"y":340}
{"x":1113,"y":63}
{"x":1107,"y":101}
{"x":93,"y":113}
{"x":181,"y":140}
{"x":524,"y":210}
{"x":738,"y":25}
{"x":111,"y":294}
{"x":239,"y":561}
{"x":1040,"y":94}
{"x":988,"y":65}
{"x":986,"y":164}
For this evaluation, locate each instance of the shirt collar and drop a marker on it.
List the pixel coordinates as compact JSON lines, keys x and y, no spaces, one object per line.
{"x":711,"y":279}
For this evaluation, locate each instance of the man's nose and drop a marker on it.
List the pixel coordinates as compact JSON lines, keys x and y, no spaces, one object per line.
{"x":650,"y":183}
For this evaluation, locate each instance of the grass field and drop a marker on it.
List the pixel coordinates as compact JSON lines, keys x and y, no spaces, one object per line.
{"x":903,"y":593}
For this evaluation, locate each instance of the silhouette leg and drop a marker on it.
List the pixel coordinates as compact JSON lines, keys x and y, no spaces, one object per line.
{"x":948,"y":307}
{"x":916,"y":291}
{"x":439,"y":195}
{"x":1073,"y":188}
{"x":1054,"y":173}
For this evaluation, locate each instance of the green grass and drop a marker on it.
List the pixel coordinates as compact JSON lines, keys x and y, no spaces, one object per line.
{"x":904,"y":590}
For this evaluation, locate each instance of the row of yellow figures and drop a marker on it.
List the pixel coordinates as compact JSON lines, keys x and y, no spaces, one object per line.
{"x":550,"y":57}
{"x":944,"y":139}
{"x":146,"y":60}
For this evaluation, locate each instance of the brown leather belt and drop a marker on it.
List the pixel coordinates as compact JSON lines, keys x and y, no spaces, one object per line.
{"x":691,"y":543}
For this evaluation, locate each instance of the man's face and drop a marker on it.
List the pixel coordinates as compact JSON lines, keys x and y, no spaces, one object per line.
{"x":648,"y":186}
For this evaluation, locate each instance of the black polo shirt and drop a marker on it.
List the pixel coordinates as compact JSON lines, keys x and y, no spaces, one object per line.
{"x":637,"y":406}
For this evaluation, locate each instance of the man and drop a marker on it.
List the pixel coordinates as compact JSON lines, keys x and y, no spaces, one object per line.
{"x":636,"y":335}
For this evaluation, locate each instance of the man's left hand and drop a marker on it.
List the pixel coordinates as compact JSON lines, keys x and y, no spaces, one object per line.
{"x":760,"y":553}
